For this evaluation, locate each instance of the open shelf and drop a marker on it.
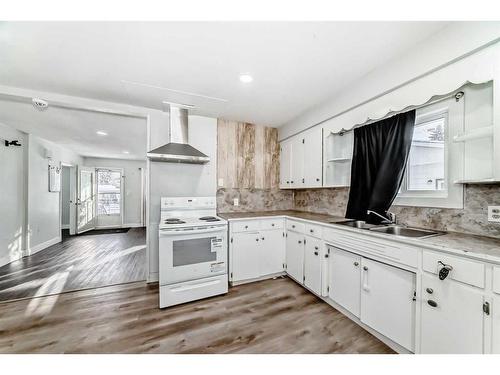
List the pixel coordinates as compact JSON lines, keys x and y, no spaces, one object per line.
{"x":339,"y":159}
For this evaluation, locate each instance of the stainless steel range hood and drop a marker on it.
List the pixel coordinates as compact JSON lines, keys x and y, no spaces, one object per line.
{"x":178,"y":150}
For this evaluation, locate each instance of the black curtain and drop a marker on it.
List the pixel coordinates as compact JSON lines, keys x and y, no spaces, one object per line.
{"x":379,"y":160}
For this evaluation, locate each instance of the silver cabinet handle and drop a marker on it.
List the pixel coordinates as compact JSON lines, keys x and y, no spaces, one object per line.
{"x":316,"y":253}
{"x":356,"y":264}
{"x":429,"y":290}
{"x":365,"y":268}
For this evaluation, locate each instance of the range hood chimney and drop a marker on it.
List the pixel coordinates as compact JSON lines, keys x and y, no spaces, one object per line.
{"x":178,"y":150}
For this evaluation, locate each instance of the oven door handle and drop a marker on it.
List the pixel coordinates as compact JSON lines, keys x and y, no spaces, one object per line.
{"x":167,"y":232}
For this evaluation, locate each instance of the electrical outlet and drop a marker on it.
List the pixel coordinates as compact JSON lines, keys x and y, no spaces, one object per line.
{"x":494,"y":214}
{"x":236,"y":202}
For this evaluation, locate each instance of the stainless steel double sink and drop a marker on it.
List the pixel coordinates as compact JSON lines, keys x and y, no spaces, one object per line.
{"x":392,"y":229}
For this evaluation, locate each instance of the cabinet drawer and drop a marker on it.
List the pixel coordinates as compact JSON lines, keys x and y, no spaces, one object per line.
{"x":496,"y":279}
{"x":295,"y":226}
{"x":313,"y":230}
{"x":245,"y":226}
{"x":271,"y":224}
{"x":464,"y":270}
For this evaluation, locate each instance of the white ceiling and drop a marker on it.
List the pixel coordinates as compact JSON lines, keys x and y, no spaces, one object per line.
{"x":295,"y":65}
{"x":76,"y":129}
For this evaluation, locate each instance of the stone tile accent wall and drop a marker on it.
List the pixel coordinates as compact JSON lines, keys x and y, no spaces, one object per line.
{"x":248,"y":164}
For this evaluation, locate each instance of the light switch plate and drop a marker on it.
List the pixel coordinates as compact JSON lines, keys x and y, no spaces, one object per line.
{"x":236,"y":202}
{"x":494,"y":214}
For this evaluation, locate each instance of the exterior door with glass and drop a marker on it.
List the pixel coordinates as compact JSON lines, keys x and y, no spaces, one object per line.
{"x":85,"y":199}
{"x":109,"y":197}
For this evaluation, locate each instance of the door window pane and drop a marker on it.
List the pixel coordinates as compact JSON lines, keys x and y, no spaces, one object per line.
{"x":108,"y":192}
{"x":426,"y":166}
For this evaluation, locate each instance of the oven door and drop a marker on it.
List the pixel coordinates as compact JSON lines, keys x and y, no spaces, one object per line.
{"x":192,"y":254}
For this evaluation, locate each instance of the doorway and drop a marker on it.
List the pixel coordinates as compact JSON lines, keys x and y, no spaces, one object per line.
{"x":109,"y":200}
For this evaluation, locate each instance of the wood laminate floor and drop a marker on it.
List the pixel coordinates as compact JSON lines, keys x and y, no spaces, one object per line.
{"x":78,"y":262}
{"x":272,"y":316}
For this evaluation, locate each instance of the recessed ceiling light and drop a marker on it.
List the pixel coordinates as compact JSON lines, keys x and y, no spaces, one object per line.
{"x":100,"y":132}
{"x":246,"y":78}
{"x":126,"y":152}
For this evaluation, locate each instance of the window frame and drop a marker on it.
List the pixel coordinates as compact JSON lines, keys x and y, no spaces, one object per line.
{"x":451,"y":197}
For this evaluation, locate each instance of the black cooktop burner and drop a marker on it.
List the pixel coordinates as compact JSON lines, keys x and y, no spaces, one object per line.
{"x":174,"y":221}
{"x":209,"y":218}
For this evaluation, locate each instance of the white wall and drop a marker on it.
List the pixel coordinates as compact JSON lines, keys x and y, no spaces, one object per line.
{"x":12,"y":194}
{"x":178,"y":179}
{"x":453,"y":42}
{"x":132,"y":185}
{"x":43,"y":206}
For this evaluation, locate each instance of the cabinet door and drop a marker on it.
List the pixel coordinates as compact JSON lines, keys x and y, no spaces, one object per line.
{"x":295,"y":255}
{"x":272,"y":252}
{"x":313,"y":158}
{"x":285,"y":164}
{"x":452,"y":317}
{"x":312,"y":264}
{"x":345,"y":279}
{"x":495,"y":311}
{"x":245,"y":256}
{"x":297,"y":178}
{"x":387,"y":301}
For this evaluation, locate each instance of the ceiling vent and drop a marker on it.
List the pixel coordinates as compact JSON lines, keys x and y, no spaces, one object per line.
{"x":40,"y":104}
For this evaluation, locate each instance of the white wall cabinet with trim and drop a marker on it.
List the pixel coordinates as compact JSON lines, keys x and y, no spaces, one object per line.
{"x":337,"y":157}
{"x":301,"y":158}
{"x":256,"y":249}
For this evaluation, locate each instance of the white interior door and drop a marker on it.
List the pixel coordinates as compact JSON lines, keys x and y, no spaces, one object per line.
{"x":72,"y":200}
{"x":86,"y":199}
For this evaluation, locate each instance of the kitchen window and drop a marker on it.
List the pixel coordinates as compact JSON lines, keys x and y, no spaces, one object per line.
{"x":435,"y":162}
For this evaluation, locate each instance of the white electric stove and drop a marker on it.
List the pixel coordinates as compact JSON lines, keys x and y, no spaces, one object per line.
{"x":192,"y":249}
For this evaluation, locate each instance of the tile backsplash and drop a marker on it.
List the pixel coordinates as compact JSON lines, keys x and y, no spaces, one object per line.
{"x":254,"y":200}
{"x":473,"y":219}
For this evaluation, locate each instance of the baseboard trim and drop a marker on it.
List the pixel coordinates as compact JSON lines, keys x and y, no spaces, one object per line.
{"x":65,"y":226}
{"x":153,"y":277}
{"x":6,"y":259}
{"x":133,"y":225}
{"x":35,"y":249}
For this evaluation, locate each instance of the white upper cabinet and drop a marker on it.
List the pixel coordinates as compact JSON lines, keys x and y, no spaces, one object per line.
{"x":285,"y":164}
{"x":313,"y":157}
{"x":297,"y":179}
{"x":301,"y":160}
{"x":337,"y":158}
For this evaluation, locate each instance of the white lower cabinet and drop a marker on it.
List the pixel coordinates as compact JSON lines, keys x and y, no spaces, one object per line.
{"x":495,"y":312}
{"x":313,"y":253}
{"x":295,"y":255}
{"x":272,"y":252}
{"x":245,"y":256}
{"x":345,"y":284}
{"x":387,"y":301}
{"x":452,"y":317}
